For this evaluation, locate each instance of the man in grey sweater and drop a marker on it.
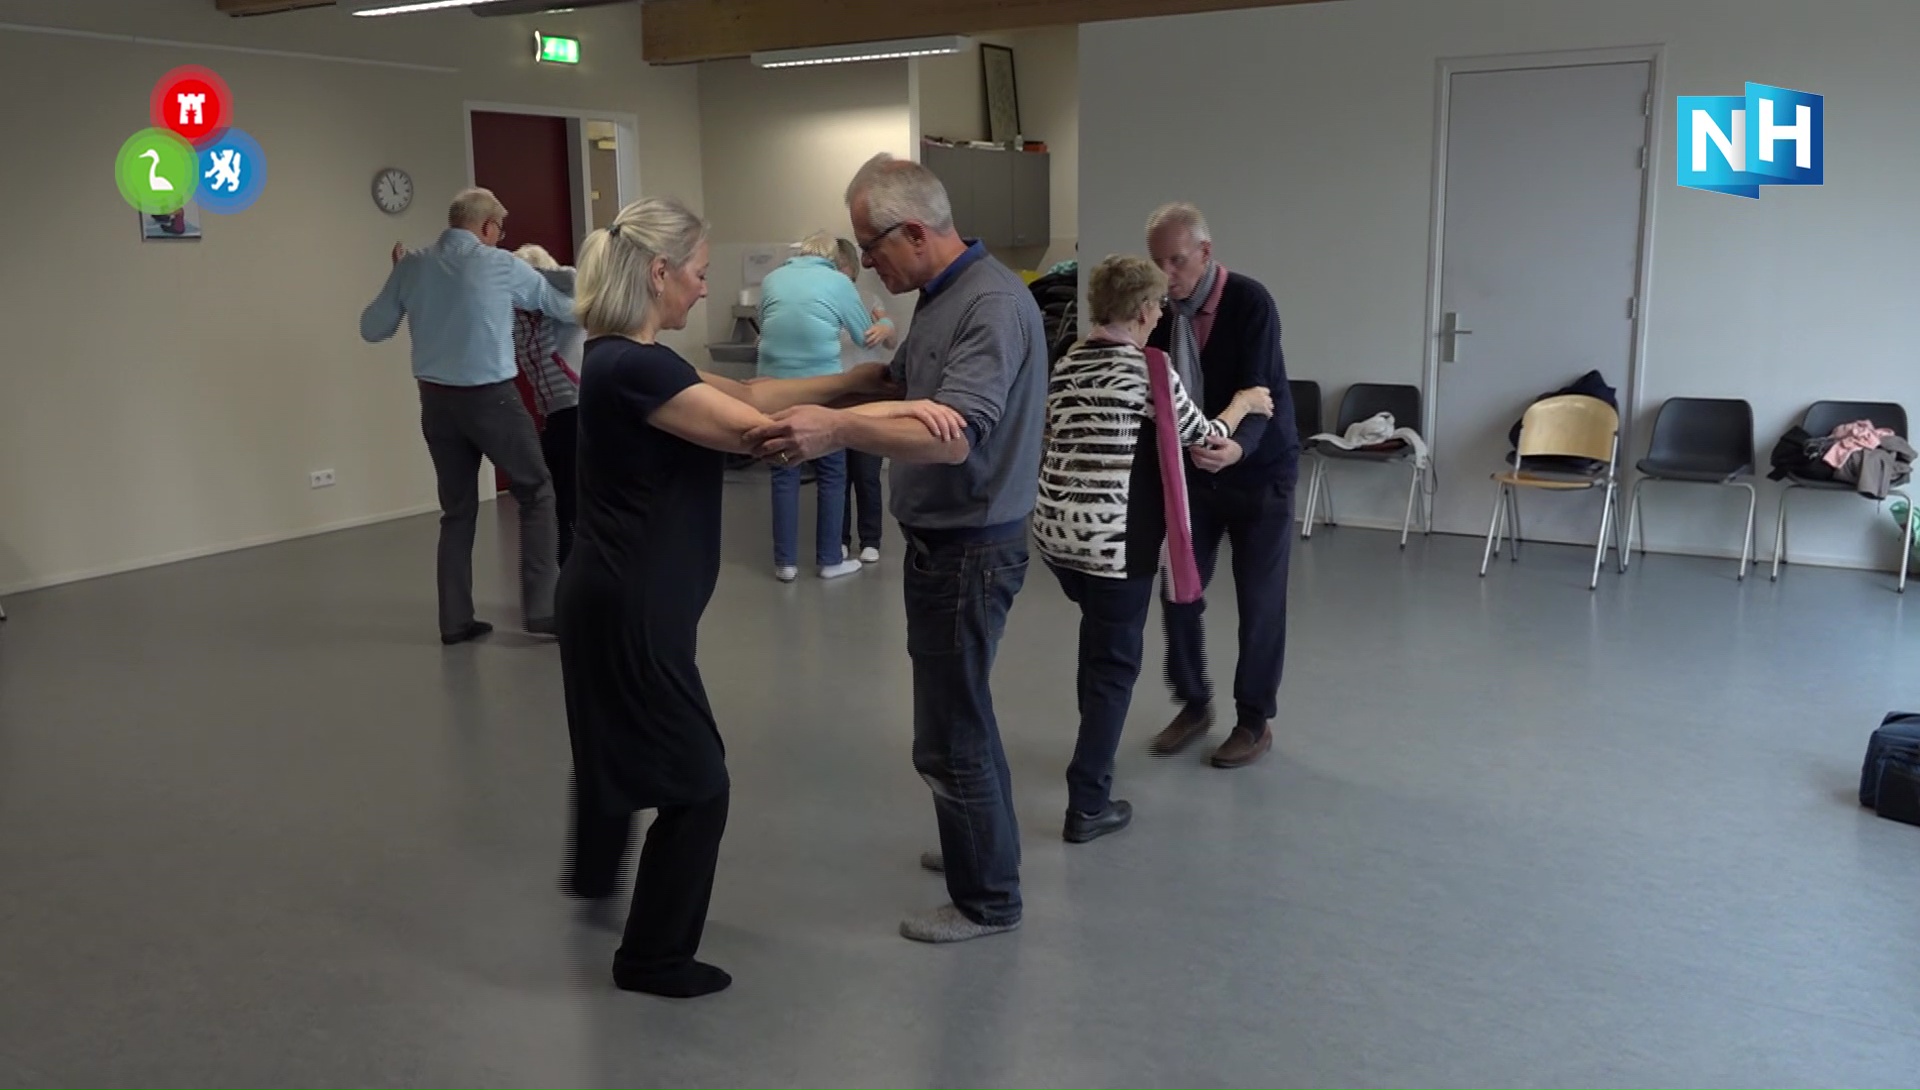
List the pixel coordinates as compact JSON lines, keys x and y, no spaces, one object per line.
{"x":978,"y":347}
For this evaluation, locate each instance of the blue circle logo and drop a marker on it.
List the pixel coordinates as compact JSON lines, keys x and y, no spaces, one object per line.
{"x":233,"y":171}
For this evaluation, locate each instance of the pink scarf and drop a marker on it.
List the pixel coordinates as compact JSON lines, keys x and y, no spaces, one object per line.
{"x":1183,"y":572}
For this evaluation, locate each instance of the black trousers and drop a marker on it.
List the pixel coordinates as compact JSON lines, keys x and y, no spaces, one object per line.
{"x":462,"y":423}
{"x":1113,"y":618}
{"x":560,"y":442}
{"x":673,"y":888}
{"x":863,"y":501}
{"x":1259,"y":523}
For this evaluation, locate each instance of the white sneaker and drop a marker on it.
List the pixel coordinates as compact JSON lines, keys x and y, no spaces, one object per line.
{"x":836,"y":571}
{"x":869,"y":555}
{"x":786,"y":574}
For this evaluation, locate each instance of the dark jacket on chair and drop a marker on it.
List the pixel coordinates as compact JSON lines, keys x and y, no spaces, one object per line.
{"x":1242,"y":350}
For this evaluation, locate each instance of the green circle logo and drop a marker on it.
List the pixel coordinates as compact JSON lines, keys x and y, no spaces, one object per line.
{"x":157,"y":171}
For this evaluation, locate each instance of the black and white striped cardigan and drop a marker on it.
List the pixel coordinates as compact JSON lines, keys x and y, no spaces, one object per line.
{"x":1098,"y":408}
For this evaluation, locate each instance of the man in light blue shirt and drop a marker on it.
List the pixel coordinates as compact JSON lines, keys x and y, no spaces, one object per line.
{"x":458,"y":297}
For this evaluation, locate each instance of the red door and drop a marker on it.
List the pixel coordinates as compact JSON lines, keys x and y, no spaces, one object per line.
{"x":523,"y":159}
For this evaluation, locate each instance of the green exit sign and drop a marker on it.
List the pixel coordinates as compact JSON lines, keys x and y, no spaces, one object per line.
{"x":553,"y":50}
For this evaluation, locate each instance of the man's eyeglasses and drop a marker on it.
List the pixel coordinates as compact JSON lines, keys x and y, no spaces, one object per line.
{"x":873,"y":243}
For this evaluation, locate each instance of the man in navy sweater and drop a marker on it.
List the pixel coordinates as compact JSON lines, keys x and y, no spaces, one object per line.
{"x":1222,"y":331}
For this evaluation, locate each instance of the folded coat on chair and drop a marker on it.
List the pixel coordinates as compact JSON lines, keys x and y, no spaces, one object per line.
{"x":1880,"y":469}
{"x":1377,"y":432}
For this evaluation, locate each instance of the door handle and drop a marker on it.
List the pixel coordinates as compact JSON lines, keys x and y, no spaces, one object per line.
{"x":1450,"y":333}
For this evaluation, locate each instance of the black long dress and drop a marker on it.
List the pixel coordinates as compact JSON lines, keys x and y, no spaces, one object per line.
{"x":645,"y":560}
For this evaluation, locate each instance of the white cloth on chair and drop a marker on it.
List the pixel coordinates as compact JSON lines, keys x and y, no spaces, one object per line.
{"x":1374,"y":430}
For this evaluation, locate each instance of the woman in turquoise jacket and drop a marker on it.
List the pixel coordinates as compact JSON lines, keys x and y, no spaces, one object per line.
{"x":804,"y":304}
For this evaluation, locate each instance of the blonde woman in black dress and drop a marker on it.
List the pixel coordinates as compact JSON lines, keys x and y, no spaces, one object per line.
{"x":654,"y":433}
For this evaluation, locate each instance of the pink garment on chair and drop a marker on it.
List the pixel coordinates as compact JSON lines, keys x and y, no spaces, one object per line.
{"x":1182,"y":570}
{"x":1849,"y":439}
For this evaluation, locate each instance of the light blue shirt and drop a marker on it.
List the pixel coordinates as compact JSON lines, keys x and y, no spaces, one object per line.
{"x":458,"y":297}
{"x":804,"y":304}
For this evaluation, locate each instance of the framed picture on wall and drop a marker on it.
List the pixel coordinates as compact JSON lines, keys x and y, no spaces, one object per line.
{"x":1003,"y":94}
{"x":184,"y":224}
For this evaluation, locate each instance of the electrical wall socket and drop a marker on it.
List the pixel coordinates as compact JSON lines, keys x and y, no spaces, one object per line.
{"x":320,"y":478}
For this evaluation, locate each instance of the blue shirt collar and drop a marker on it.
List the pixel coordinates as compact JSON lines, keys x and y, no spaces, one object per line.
{"x":975,"y":251}
{"x":459,"y":238}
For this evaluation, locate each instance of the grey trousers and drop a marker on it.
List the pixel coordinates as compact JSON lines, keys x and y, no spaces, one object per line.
{"x":461,"y":423}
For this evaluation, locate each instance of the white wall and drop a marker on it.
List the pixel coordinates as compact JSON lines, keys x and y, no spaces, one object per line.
{"x":1309,"y":136}
{"x":165,"y":400}
{"x":1046,"y":61}
{"x":778,"y":147}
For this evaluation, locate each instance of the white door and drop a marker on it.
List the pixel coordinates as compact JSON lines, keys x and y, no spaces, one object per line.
{"x":1539,"y":260}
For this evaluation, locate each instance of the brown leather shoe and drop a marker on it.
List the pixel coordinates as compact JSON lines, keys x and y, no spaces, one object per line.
{"x":1186,"y":729}
{"x":1249,"y":742}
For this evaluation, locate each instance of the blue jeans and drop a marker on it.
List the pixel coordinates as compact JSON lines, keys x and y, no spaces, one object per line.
{"x":830,"y":481}
{"x":957,"y":599}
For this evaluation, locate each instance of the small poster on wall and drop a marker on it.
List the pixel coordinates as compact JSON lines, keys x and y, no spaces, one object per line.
{"x":761,"y":260}
{"x":1003,"y":94}
{"x":183,"y":223}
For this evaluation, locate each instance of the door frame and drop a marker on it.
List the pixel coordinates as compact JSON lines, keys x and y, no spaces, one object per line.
{"x":1444,"y":71}
{"x":627,"y":155}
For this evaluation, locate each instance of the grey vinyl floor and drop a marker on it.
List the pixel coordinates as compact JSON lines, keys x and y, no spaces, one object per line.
{"x":258,"y":828}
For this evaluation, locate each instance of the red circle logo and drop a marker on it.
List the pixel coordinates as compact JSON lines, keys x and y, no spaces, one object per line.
{"x":193,"y":102}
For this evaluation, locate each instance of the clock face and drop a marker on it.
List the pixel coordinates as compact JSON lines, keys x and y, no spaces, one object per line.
{"x":392,"y":191}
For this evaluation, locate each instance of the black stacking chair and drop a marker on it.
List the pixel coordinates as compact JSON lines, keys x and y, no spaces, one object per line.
{"x":1698,"y":440}
{"x":1306,"y":407}
{"x":1363,"y":400}
{"x":1821,"y":418}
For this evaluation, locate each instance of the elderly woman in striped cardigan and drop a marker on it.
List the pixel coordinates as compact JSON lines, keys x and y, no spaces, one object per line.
{"x":548,"y":353}
{"x":1112,"y":491}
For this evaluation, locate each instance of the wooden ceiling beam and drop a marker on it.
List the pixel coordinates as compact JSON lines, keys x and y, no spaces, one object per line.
{"x":683,"y":31}
{"x":266,"y":7}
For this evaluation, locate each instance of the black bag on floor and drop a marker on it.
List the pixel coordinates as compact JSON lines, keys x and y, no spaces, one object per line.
{"x":1890,"y":777}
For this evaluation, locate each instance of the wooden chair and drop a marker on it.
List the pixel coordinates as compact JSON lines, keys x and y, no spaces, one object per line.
{"x":1569,"y":443}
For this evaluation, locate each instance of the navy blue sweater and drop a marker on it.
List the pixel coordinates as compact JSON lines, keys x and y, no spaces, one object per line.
{"x":1244,"y":350}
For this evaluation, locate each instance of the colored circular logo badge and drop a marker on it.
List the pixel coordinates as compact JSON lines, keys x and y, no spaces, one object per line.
{"x":233,"y":171}
{"x":194,"y":103}
{"x":157,"y":171}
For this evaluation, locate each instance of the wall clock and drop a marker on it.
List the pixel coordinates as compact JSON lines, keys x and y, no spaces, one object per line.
{"x":392,"y":190}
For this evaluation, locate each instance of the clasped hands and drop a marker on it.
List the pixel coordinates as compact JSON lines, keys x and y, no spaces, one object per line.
{"x":805,"y":432}
{"x":1215,"y":453}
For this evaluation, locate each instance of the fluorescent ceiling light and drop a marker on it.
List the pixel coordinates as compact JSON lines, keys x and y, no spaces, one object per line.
{"x":408,"y":7}
{"x":865,"y":51}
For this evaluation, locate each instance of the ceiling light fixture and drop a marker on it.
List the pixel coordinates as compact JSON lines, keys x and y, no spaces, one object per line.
{"x":408,"y":7}
{"x":864,"y":51}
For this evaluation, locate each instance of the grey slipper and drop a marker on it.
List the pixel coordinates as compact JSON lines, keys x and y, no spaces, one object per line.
{"x":948,"y":924}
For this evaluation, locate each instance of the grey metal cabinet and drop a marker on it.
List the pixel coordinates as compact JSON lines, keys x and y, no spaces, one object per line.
{"x":953,"y":170}
{"x":1002,"y":198}
{"x":992,"y":176}
{"x":1032,"y":191}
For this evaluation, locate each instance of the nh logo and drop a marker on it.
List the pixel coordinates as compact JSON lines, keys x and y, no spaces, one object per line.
{"x":1734,"y":145}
